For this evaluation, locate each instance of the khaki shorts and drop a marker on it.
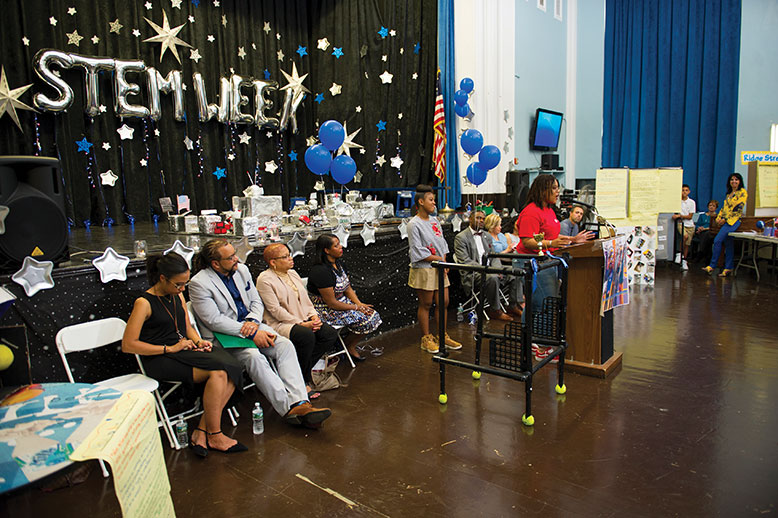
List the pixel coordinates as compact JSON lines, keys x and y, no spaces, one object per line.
{"x":425,"y":279}
{"x":688,"y":234}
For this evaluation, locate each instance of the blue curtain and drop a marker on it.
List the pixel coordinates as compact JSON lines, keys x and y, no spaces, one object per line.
{"x":448,"y":85}
{"x":671,"y":88}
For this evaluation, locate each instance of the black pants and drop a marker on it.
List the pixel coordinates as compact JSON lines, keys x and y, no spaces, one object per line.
{"x":311,"y":346}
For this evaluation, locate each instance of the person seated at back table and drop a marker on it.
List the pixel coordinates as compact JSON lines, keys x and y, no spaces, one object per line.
{"x":225,"y":300}
{"x":160,"y":332}
{"x":335,"y":300}
{"x":569,"y":227}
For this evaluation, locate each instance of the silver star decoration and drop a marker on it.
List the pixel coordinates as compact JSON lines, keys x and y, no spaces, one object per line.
{"x":380,"y":161}
{"x":362,"y":151}
{"x":148,"y":6}
{"x":348,"y":142}
{"x":297,"y":244}
{"x":269,"y":134}
{"x":95,"y":39}
{"x":242,"y":249}
{"x":403,"y":228}
{"x":267,"y":28}
{"x":106,"y":146}
{"x":53,"y":21}
{"x":34,"y":276}
{"x":115,"y":26}
{"x":231,"y":157}
{"x":384,"y":57}
{"x":244,"y":138}
{"x":26,"y":41}
{"x":335,"y":89}
{"x":191,"y":19}
{"x":399,"y":115}
{"x":72,"y":11}
{"x":112,"y":266}
{"x":386,"y":77}
{"x":195,"y":56}
{"x":167,"y":36}
{"x":176,"y":4}
{"x":74,"y":38}
{"x":323,"y":44}
{"x":280,"y":55}
{"x":358,"y":177}
{"x":505,"y":115}
{"x":108,"y":178}
{"x":510,"y":133}
{"x":271,"y":167}
{"x":368,"y":234}
{"x":342,"y":234}
{"x":189,"y":143}
{"x":241,"y":52}
{"x":506,"y":146}
{"x":253,"y":46}
{"x":358,"y":109}
{"x":224,"y":20}
{"x":393,"y":33}
{"x":3,"y":214}
{"x":125,"y":132}
{"x":396,"y":162}
{"x":9,"y":99}
{"x":456,"y":223}
{"x":415,"y":76}
{"x":102,"y":108}
{"x":295,"y":81}
{"x":143,"y":162}
{"x":310,"y":141}
{"x":318,"y":186}
{"x":136,"y":33}
{"x":402,"y":50}
{"x":184,"y":251}
{"x":216,"y":3}
{"x":156,"y":132}
{"x":278,"y":35}
{"x":211,"y":38}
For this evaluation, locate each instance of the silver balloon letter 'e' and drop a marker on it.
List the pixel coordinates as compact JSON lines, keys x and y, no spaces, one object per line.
{"x":123,"y":89}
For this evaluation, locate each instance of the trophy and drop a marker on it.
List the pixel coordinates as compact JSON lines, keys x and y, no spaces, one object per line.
{"x":539,"y":239}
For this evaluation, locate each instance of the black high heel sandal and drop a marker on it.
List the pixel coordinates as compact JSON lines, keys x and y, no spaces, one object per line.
{"x":198,"y":450}
{"x":235,"y":448}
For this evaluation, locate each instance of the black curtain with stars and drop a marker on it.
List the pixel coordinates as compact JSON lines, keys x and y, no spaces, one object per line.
{"x":370,"y":65}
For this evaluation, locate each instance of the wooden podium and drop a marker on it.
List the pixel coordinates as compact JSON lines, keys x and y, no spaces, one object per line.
{"x":589,"y":336}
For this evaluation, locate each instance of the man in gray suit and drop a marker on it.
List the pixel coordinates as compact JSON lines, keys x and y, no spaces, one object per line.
{"x":470,"y":246}
{"x":225,"y":300}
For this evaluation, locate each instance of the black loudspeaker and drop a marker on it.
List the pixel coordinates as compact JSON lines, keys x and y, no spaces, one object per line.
{"x":549,"y":161}
{"x":516,"y":189}
{"x":36,"y":225}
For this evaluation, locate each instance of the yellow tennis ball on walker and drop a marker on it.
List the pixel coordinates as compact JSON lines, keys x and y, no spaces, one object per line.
{"x":476,"y":375}
{"x":6,"y":357}
{"x":443,"y":399}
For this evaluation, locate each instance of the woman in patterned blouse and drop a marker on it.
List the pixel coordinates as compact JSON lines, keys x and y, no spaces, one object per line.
{"x":729,"y":219}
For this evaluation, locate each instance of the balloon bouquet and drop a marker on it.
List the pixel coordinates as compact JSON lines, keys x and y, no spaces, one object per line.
{"x":319,"y":158}
{"x":472,"y":140}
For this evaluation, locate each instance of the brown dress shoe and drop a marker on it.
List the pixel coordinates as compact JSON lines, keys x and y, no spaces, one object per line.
{"x":515,"y":311}
{"x":499,"y":315}
{"x":307,"y":415}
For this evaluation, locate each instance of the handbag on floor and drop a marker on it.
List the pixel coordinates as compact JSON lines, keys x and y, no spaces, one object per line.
{"x":326,"y":378}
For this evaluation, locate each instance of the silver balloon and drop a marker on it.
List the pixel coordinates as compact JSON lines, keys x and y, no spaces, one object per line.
{"x":172,"y":83}
{"x":262,"y":104}
{"x":285,"y":109}
{"x":91,"y":68}
{"x":239,"y":100}
{"x":298,"y":99}
{"x":43,"y":61}
{"x":123,"y":89}
{"x":225,"y":97}
{"x":205,"y":111}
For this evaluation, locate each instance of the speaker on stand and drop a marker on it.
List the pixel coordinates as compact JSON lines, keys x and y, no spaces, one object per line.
{"x":35,"y":224}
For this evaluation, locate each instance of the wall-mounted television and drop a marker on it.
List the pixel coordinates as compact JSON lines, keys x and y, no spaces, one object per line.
{"x":545,"y":130}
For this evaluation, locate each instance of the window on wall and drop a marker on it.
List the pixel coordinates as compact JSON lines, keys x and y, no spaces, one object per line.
{"x":542,"y":5}
{"x":774,"y":138}
{"x":558,"y":9}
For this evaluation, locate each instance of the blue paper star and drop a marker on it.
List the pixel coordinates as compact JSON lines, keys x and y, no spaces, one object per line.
{"x":381,"y":125}
{"x":196,"y":3}
{"x":267,"y":74}
{"x":319,"y":98}
{"x":384,"y":32}
{"x":303,"y":51}
{"x":416,"y":48}
{"x":293,"y":156}
{"x":219,"y":173}
{"x":83,"y":145}
{"x":337,"y":52}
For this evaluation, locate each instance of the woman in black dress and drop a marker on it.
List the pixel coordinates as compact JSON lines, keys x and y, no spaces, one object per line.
{"x":171,"y":350}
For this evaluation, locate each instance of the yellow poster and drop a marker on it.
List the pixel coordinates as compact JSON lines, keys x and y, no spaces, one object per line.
{"x":611,"y":193}
{"x":128,"y":440}
{"x":668,"y":197}
{"x":767,"y":186}
{"x":643,"y":192}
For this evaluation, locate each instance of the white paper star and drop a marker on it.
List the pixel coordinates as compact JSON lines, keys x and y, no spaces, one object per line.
{"x":95,"y":39}
{"x":278,"y":35}
{"x":108,"y":178}
{"x":295,"y":81}
{"x":253,"y":46}
{"x":74,"y":38}
{"x":34,"y":276}
{"x":156,"y":132}
{"x":399,"y":115}
{"x":25,"y":41}
{"x":125,"y":132}
{"x":106,"y":146}
{"x":368,"y":234}
{"x":297,"y":244}
{"x":195,"y":56}
{"x":4,"y":211}
{"x":280,"y":55}
{"x":386,"y":77}
{"x":380,"y":161}
{"x":335,"y":89}
{"x":244,"y":138}
{"x":148,"y":6}
{"x":224,"y":20}
{"x":216,"y":3}
{"x":393,"y":33}
{"x":211,"y":38}
{"x":184,"y":251}
{"x":53,"y":21}
{"x":402,"y":50}
{"x":362,"y":151}
{"x":9,"y":99}
{"x":115,"y":26}
{"x":167,"y":37}
{"x":403,"y":228}
{"x":270,"y":167}
{"x":231,"y":157}
{"x":103,"y":108}
{"x":176,"y":4}
{"x":191,"y":18}
{"x":72,"y":11}
{"x":323,"y":44}
{"x":269,"y":134}
{"x":348,"y":142}
{"x":396,"y":162}
{"x":267,"y":28}
{"x":112,"y":266}
{"x":384,"y":57}
{"x":136,"y":33}
{"x":342,"y":234}
{"x":358,"y":177}
{"x":143,"y":162}
{"x":241,"y":52}
{"x":188,"y":143}
{"x":358,"y":109}
{"x":415,"y":76}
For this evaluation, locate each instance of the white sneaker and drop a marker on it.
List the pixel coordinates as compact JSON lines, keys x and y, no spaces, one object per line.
{"x":677,"y":257}
{"x":684,"y":266}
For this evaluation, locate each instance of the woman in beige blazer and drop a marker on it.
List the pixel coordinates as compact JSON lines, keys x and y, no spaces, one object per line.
{"x":290,"y":312}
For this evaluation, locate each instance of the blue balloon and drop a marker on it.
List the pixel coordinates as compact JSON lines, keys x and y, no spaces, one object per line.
{"x":462,"y":110}
{"x":331,"y":134}
{"x":489,"y":157}
{"x":466,"y":84}
{"x":476,"y":173}
{"x":760,"y":225}
{"x":472,"y":141}
{"x":343,"y":169}
{"x":318,"y":159}
{"x":460,"y":97}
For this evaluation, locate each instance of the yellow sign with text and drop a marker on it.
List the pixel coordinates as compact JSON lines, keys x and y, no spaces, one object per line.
{"x":768,"y":157}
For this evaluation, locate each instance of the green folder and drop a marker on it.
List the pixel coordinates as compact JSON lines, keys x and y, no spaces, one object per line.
{"x":234,"y":342}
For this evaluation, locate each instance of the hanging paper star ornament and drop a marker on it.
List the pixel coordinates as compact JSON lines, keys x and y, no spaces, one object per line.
{"x":368,"y":234}
{"x":396,"y":162}
{"x":115,"y":26}
{"x":386,"y":77}
{"x":381,"y":125}
{"x":403,"y":228}
{"x":342,"y":234}
{"x":336,"y":89}
{"x":34,"y":276}
{"x":74,"y":38}
{"x":380,"y":161}
{"x":323,"y":44}
{"x":294,"y":81}
{"x":167,"y":37}
{"x":189,"y":143}
{"x":292,"y":156}
{"x":319,"y":98}
{"x":303,"y":51}
{"x":9,"y":99}
{"x":348,"y":142}
{"x":383,"y":32}
{"x":112,"y":266}
{"x":195,"y":56}
{"x":219,"y":173}
{"x":83,"y":145}
{"x":244,"y":138}
{"x":242,"y":249}
{"x":184,"y":251}
{"x":297,"y":244}
{"x":271,"y":167}
{"x":108,"y":178}
{"x":337,"y":52}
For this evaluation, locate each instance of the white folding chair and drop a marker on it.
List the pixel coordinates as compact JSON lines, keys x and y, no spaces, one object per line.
{"x":344,"y":349}
{"x":93,"y":335}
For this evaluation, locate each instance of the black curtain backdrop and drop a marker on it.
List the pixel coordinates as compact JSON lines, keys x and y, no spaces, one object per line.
{"x":354,"y":26}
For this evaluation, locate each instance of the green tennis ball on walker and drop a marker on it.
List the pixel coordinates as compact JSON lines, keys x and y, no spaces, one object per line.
{"x":443,"y":399}
{"x":6,"y":357}
{"x":476,"y":375}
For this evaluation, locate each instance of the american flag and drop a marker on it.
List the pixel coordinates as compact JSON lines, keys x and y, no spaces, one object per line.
{"x":439,"y":124}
